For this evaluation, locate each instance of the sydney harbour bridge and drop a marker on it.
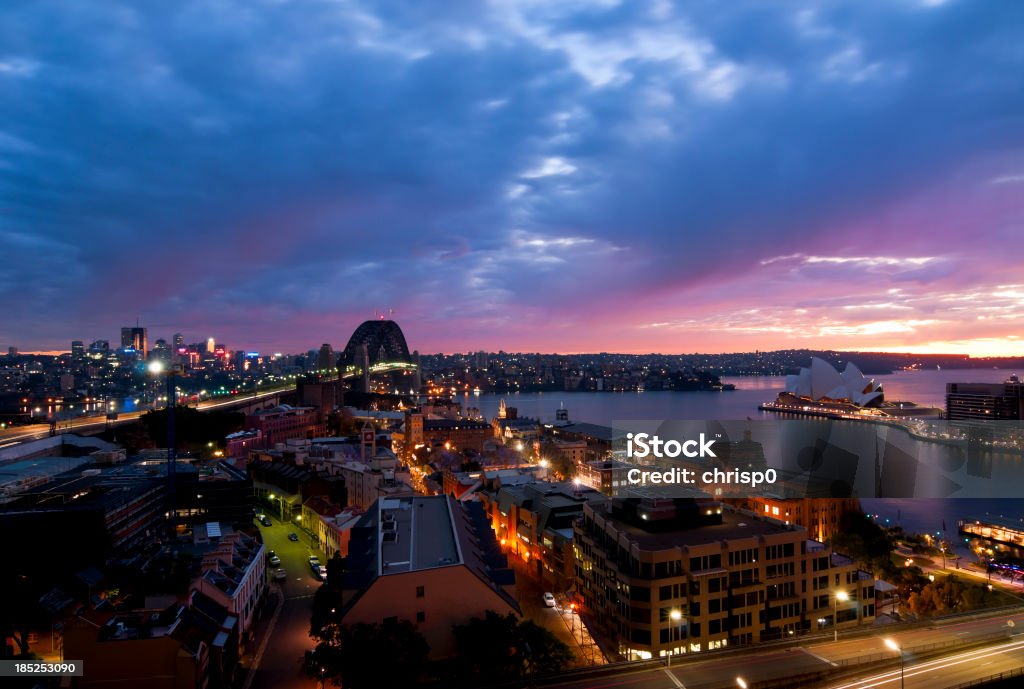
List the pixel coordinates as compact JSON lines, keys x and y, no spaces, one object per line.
{"x":377,"y":350}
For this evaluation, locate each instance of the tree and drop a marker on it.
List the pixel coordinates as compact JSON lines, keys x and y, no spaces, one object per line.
{"x":864,"y":540}
{"x":502,"y":646}
{"x":20,"y":611}
{"x":355,"y":656}
{"x":193,"y":428}
{"x":941,"y":597}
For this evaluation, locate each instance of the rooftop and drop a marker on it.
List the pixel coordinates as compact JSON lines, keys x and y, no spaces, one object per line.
{"x":734,"y":525}
{"x":591,"y":430}
{"x":416,"y":534}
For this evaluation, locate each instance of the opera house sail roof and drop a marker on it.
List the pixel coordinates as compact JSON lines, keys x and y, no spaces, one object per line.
{"x":821,"y":382}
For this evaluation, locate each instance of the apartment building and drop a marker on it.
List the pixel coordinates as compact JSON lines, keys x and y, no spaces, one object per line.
{"x":663,"y":576}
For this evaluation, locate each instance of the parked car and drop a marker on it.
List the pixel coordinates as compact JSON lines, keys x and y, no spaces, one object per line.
{"x":265,"y":521}
{"x":280,"y":574}
{"x":314,"y":560}
{"x":273,"y":559}
{"x":293,"y":536}
{"x":549,"y":600}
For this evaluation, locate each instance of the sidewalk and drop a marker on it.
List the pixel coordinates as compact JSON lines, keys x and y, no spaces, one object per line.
{"x":253,"y":652}
{"x":589,"y":649}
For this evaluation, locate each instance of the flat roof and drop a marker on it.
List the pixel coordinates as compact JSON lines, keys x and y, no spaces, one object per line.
{"x":41,"y":466}
{"x":416,"y":533}
{"x":734,"y":526}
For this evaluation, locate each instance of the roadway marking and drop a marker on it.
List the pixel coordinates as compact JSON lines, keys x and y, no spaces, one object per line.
{"x":930,"y":666}
{"x":821,"y":658}
{"x":675,"y":680}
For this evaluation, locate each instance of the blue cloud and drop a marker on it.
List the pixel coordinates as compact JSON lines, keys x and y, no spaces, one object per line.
{"x":185,"y":160}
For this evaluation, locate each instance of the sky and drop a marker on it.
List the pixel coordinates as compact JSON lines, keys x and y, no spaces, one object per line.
{"x":563,"y":176}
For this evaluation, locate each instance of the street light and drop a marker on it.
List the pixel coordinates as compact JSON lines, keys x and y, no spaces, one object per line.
{"x":676,"y":616}
{"x":840,"y":596}
{"x":741,"y":683}
{"x":281,"y":499}
{"x":893,"y":646}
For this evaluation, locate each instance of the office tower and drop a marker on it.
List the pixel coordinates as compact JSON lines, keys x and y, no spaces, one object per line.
{"x":134,"y":338}
{"x":325,"y":358}
{"x":986,"y":401}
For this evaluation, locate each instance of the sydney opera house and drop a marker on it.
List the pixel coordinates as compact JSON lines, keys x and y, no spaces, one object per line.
{"x":821,"y":389}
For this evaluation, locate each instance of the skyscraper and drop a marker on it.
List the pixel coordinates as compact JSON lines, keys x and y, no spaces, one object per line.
{"x":325,"y":360}
{"x":134,"y":338}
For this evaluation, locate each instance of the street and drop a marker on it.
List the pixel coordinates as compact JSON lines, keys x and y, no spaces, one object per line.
{"x":16,"y":434}
{"x":1000,"y":653}
{"x":281,"y":663}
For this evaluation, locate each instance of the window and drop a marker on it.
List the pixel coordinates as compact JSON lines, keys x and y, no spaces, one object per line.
{"x":420,"y":591}
{"x":421,"y":616}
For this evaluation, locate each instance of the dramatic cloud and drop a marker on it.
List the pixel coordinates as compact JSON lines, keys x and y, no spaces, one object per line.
{"x":566,"y":176}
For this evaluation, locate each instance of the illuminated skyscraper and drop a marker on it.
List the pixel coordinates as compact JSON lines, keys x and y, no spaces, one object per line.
{"x":134,"y":338}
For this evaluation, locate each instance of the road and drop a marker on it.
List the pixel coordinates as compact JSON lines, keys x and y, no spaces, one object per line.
{"x":1001,"y":653}
{"x":281,"y":664}
{"x":17,"y":434}
{"x":947,"y":671}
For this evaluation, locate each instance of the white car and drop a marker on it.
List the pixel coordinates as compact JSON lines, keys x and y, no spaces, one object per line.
{"x":280,"y":575}
{"x":549,"y":600}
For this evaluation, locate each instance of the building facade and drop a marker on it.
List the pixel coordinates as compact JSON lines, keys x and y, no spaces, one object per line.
{"x":985,"y":401}
{"x":234,"y":574}
{"x":454,"y":573}
{"x":662,"y":576}
{"x":283,"y":422}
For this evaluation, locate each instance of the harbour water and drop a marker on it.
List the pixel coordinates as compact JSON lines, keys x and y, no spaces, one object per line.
{"x":925,"y":387}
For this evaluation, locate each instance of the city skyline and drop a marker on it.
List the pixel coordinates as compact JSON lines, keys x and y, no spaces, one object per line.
{"x":518,"y":176}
